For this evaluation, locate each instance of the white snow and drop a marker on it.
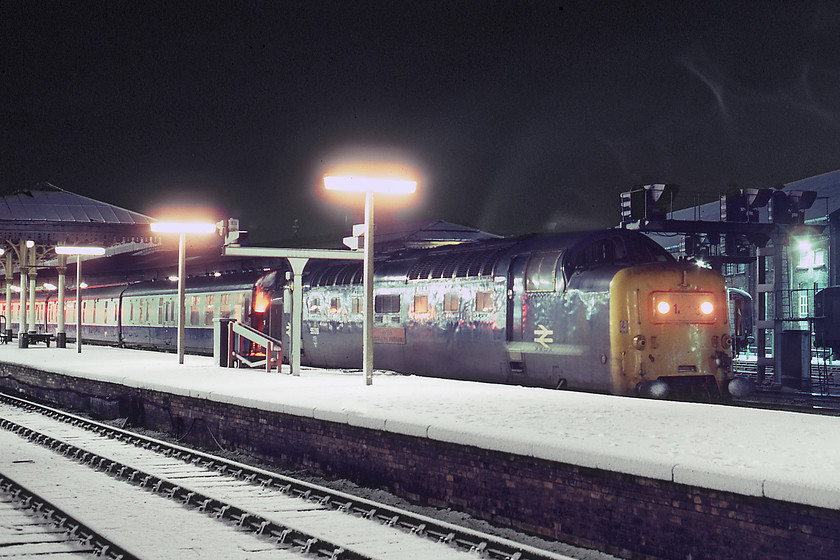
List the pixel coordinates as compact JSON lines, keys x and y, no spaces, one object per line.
{"x":781,"y":455}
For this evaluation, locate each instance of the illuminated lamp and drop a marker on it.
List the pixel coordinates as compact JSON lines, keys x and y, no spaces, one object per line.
{"x":663,"y":307}
{"x":182,"y":228}
{"x":370,"y":178}
{"x":707,"y":308}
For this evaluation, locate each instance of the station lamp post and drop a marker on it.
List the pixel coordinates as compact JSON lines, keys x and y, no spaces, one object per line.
{"x":78,"y":251}
{"x":182,"y":228}
{"x":369,"y":185}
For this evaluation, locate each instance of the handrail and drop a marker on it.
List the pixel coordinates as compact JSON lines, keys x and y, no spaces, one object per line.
{"x":273,"y":347}
{"x":253,"y":334}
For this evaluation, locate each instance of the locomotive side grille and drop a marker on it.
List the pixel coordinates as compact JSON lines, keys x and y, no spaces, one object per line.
{"x":445,"y":266}
{"x":490,"y":263}
{"x":421,"y":269}
{"x":686,"y":369}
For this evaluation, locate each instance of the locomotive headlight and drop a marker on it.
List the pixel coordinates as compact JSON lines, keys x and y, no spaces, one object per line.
{"x":663,"y":307}
{"x":707,"y":308}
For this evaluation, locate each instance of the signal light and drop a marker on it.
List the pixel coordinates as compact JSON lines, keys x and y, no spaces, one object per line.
{"x":663,"y":307}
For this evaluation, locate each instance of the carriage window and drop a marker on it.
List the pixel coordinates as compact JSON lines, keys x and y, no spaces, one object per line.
{"x":356,"y":304}
{"x":224,"y":306}
{"x":237,"y":307}
{"x":541,"y":272}
{"x":421,"y":305}
{"x":451,"y":302}
{"x":388,"y":303}
{"x":209,"y":307}
{"x":483,"y":301}
{"x":195,"y":310}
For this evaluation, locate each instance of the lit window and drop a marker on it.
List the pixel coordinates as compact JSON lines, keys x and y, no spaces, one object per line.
{"x":224,"y":306}
{"x":356,"y":305}
{"x":803,"y":303}
{"x":335,"y":305}
{"x":209,"y":307}
{"x":812,"y":258}
{"x":483,"y":301}
{"x":421,"y":305}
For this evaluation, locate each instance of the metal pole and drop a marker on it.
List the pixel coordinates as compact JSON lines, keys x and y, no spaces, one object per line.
{"x":79,"y":304}
{"x":33,"y":275}
{"x":182,"y":311}
{"x":297,"y":264}
{"x":60,"y":334}
{"x":9,"y":281}
{"x":23,"y":340}
{"x":367,"y":351}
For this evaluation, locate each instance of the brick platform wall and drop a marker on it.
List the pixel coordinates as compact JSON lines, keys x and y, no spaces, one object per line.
{"x":625,"y":515}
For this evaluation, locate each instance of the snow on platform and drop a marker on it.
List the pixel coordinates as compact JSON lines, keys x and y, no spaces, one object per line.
{"x":786,"y":456}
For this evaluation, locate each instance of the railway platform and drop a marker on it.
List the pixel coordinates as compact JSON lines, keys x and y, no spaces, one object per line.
{"x":633,"y":477}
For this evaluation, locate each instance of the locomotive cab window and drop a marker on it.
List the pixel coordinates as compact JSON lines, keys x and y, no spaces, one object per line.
{"x":541,"y":272}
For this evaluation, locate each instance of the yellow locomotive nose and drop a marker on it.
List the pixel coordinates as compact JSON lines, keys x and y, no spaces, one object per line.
{"x":669,"y":331}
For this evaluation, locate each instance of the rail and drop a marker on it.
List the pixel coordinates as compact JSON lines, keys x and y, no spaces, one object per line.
{"x":246,"y":478}
{"x":240,"y":335}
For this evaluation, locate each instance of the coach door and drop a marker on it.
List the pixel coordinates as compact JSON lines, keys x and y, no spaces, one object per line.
{"x":515,"y":299}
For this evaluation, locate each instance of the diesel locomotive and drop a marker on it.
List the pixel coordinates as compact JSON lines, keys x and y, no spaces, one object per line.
{"x":606,"y":311}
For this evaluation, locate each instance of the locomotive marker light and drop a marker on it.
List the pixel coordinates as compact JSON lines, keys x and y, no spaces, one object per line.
{"x":182,"y":228}
{"x":78,"y":251}
{"x":374,"y":178}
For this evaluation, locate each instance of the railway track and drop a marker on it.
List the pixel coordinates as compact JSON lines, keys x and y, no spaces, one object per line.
{"x":31,"y":527}
{"x":292,"y":516}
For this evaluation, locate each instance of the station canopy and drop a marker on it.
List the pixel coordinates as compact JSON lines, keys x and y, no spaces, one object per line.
{"x":49,"y":215}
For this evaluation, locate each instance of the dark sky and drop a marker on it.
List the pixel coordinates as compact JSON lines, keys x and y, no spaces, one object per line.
{"x":525,"y":118}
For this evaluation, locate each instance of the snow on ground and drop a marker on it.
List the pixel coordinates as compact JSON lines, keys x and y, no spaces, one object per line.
{"x":787,"y":456}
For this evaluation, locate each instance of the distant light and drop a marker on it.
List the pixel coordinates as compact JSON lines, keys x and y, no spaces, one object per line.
{"x":707,"y":308}
{"x":50,"y":287}
{"x":804,"y":246}
{"x":83,"y":285}
{"x":173,"y":278}
{"x":663,"y":307}
{"x":69,"y":250}
{"x":217,"y":274}
{"x":2,"y":251}
{"x":16,"y":289}
{"x":183,"y":227}
{"x":30,"y":244}
{"x":390,"y":185}
{"x":702,"y":264}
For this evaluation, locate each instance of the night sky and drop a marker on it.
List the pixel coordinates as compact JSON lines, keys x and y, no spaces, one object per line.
{"x":523,"y":116}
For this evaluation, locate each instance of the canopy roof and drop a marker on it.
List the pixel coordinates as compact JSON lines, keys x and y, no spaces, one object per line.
{"x":47,"y":214}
